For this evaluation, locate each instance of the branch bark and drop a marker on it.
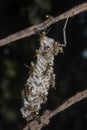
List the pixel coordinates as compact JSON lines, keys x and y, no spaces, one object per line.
{"x":34,"y":29}
{"x":47,"y":115}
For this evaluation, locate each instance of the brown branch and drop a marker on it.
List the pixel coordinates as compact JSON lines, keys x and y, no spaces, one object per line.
{"x":47,"y":115}
{"x":33,"y":29}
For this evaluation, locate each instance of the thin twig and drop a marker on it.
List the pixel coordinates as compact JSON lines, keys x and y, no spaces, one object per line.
{"x":76,"y":98}
{"x":47,"y":115}
{"x":33,"y":29}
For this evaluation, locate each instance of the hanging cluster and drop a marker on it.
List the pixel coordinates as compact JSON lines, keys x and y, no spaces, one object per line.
{"x":41,"y":77}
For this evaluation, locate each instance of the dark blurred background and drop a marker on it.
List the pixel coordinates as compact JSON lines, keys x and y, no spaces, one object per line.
{"x":70,"y":68}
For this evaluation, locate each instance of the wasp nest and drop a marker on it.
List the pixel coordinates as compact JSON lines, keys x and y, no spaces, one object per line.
{"x":41,"y":77}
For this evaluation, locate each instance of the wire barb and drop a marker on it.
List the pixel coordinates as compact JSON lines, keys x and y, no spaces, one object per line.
{"x":64,"y":33}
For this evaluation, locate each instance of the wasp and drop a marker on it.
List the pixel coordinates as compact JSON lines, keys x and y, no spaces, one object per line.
{"x":49,"y":18}
{"x":53,"y":81}
{"x":57,"y":48}
{"x":42,"y":36}
{"x":48,"y":68}
{"x":32,"y":69}
{"x":38,"y":54}
{"x":46,"y":51}
{"x":26,"y":91}
{"x":43,"y":97}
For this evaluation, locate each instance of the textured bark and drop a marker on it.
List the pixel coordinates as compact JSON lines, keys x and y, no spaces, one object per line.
{"x":34,"y":29}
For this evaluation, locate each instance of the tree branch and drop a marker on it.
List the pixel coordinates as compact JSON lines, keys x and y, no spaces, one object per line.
{"x":47,"y":115}
{"x":33,"y":29}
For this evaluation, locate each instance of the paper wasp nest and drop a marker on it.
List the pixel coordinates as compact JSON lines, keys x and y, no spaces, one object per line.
{"x":41,"y":77}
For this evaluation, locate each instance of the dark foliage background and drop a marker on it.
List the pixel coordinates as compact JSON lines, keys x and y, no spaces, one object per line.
{"x":70,"y":68}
